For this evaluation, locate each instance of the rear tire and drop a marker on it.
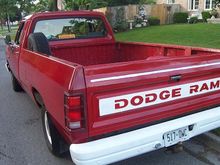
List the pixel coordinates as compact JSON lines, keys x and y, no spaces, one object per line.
{"x":55,"y":143}
{"x":15,"y":84}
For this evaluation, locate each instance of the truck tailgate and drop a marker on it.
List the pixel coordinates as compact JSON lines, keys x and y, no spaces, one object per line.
{"x":127,"y":95}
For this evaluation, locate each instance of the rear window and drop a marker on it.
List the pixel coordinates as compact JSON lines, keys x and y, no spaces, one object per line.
{"x":71,"y":28}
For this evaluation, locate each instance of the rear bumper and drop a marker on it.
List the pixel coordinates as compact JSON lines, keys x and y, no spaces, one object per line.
{"x":123,"y":146}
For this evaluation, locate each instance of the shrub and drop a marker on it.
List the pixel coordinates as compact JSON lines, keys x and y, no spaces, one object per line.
{"x":206,"y":15}
{"x":214,"y":13}
{"x":109,"y":18}
{"x":193,"y":20}
{"x":153,"y":21}
{"x":180,"y":17}
{"x":200,"y":20}
{"x":120,"y":22}
{"x":121,"y":26}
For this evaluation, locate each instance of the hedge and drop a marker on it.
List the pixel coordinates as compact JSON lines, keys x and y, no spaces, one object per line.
{"x":193,"y":20}
{"x":153,"y":21}
{"x":206,"y":15}
{"x":180,"y":17}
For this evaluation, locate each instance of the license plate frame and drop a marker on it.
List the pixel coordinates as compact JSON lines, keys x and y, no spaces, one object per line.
{"x":176,"y":136}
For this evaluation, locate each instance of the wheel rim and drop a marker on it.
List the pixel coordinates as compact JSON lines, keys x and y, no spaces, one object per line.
{"x":46,"y":123}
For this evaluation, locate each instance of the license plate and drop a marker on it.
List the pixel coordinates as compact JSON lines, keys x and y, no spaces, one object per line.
{"x":176,"y":136}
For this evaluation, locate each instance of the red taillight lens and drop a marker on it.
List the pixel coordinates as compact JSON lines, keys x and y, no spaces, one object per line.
{"x":74,"y":115}
{"x":73,"y":101}
{"x":74,"y":112}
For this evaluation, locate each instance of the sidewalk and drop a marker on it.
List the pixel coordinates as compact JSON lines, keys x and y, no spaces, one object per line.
{"x":205,"y":147}
{"x":211,"y":140}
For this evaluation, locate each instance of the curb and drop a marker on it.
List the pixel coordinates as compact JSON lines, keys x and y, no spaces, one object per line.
{"x":210,"y":140}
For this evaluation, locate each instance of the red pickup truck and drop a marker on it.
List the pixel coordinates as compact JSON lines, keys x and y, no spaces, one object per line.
{"x":106,"y":101}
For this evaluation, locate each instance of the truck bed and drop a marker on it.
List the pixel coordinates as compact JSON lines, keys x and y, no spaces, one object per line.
{"x":115,"y":72}
{"x":107,"y":53}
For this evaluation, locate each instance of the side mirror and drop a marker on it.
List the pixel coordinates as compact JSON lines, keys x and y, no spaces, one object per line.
{"x":8,"y":39}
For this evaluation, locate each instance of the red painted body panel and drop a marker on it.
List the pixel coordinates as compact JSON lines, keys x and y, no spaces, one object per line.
{"x":92,"y":54}
{"x":151,"y":114}
{"x":52,"y":78}
{"x":74,"y":65}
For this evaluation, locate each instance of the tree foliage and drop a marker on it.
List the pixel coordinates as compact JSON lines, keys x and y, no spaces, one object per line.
{"x":84,"y":4}
{"x":7,"y":9}
{"x":13,"y":8}
{"x":147,"y":1}
{"x":7,"y":6}
{"x":92,"y":4}
{"x":45,"y":5}
{"x":42,"y":5}
{"x":16,"y":15}
{"x":127,"y":2}
{"x":121,"y":2}
{"x":25,"y":6}
{"x":71,"y":5}
{"x":216,"y":2}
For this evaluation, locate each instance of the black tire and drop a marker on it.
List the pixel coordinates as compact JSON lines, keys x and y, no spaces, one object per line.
{"x":55,"y":143}
{"x":38,"y":42}
{"x":15,"y":84}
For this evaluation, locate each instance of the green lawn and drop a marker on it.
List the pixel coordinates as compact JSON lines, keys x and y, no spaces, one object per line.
{"x":202,"y":35}
{"x":5,"y":32}
{"x":217,"y":132}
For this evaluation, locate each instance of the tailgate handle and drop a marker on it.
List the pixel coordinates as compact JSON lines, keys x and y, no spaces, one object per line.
{"x":175,"y":78}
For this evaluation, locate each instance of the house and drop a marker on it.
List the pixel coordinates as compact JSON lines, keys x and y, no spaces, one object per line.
{"x":193,"y":6}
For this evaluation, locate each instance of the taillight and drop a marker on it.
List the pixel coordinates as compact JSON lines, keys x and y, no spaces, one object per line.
{"x":74,"y":112}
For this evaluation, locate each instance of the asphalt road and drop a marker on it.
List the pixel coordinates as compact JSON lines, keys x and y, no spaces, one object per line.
{"x":21,"y":136}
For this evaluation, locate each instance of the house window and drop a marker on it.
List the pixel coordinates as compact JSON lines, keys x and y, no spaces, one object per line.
{"x":209,"y":4}
{"x":193,"y":4}
{"x":170,"y":1}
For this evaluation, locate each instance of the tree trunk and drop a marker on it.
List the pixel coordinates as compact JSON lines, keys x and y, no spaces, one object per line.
{"x":8,"y":23}
{"x":53,"y":5}
{"x":1,"y":22}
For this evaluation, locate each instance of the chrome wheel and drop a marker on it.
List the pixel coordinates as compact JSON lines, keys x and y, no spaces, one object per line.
{"x":55,"y":143}
{"x":47,"y":128}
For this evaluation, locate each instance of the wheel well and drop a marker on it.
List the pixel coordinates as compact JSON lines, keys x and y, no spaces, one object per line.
{"x":37,"y":97}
